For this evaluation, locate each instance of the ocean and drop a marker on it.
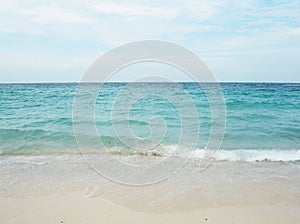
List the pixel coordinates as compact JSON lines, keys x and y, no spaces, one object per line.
{"x":262,"y":119}
{"x":257,"y":164}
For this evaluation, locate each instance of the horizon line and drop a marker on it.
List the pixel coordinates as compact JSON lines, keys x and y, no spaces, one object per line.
{"x":69,"y":82}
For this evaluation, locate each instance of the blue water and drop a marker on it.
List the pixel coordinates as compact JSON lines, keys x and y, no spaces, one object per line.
{"x":37,"y":118}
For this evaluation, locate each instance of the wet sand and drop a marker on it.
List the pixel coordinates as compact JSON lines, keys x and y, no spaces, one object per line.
{"x":64,"y":189}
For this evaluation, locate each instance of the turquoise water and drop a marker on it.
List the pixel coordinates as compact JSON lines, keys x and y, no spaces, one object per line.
{"x":37,"y":118}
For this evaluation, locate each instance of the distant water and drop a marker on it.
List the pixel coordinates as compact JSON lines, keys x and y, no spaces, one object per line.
{"x":263,"y":119}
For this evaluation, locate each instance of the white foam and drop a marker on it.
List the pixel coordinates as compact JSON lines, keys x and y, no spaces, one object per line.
{"x":252,"y":155}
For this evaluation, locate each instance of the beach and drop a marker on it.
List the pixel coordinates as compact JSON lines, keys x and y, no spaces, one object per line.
{"x":75,"y":209}
{"x":55,"y":189}
{"x":70,"y":192}
{"x":133,"y":112}
{"x":50,"y":173}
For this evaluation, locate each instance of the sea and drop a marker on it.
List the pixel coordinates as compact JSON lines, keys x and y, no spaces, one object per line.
{"x":262,"y":120}
{"x":140,"y":145}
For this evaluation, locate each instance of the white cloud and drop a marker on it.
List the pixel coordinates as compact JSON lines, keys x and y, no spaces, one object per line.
{"x":26,"y":59}
{"x":133,"y":10}
{"x":213,"y":28}
{"x":50,"y":14}
{"x":295,"y":31}
{"x":201,"y":10}
{"x":44,"y":12}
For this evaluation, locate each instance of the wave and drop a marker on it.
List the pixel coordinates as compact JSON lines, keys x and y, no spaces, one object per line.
{"x":235,"y":155}
{"x":254,"y":155}
{"x":249,"y":155}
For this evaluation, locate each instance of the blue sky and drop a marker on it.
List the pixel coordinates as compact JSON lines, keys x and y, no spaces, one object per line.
{"x":250,"y":40}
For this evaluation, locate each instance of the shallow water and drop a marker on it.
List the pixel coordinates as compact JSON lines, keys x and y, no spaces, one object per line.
{"x":224,"y":183}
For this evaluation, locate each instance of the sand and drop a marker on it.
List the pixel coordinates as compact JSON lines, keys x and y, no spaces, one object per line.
{"x":75,"y":208}
{"x":55,"y":189}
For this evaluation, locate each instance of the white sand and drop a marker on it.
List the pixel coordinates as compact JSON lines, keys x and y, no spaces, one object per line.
{"x":74,"y":208}
{"x":64,"y":189}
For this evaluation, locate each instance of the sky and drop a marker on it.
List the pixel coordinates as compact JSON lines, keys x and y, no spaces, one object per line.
{"x":57,"y":41}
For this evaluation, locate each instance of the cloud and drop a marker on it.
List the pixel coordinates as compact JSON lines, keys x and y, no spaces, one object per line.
{"x":132,"y":10}
{"x":50,"y":14}
{"x":24,"y":59}
{"x":226,"y":29}
{"x":44,"y":13}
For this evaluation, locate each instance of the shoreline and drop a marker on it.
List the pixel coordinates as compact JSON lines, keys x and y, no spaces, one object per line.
{"x":51,"y":189}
